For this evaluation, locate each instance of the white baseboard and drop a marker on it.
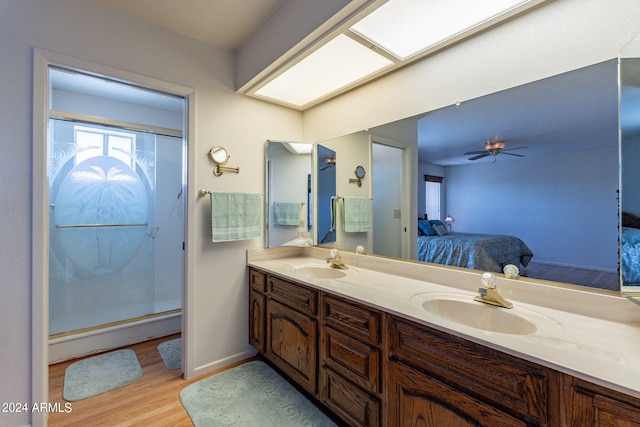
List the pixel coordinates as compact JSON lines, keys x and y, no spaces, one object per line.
{"x":209,"y":367}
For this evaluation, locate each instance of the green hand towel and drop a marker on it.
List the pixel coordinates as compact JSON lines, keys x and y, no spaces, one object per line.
{"x":286,"y":213}
{"x":356,"y":214}
{"x":235,"y":216}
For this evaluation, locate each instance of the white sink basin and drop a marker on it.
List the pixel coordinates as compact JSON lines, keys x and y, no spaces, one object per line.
{"x":320,"y":272}
{"x":463,"y":310}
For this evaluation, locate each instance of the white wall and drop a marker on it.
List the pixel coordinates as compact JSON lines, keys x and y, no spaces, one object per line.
{"x":88,"y":31}
{"x":562,"y":206}
{"x":351,"y":151}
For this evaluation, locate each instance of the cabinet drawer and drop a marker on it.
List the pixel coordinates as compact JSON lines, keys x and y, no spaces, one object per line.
{"x":351,"y":404}
{"x":257,"y":280}
{"x":356,"y":361}
{"x":295,"y":296}
{"x":504,"y":381}
{"x":355,"y":320}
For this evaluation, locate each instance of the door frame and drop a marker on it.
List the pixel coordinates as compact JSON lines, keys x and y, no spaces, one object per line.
{"x":406,"y":208}
{"x":42,"y":59}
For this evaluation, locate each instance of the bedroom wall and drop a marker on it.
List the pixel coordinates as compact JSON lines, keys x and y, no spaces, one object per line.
{"x":575,"y":197}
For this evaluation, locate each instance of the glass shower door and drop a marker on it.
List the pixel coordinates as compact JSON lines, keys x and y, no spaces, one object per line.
{"x":111,"y":216}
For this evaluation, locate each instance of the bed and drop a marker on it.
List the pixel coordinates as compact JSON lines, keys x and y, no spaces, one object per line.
{"x":486,"y":252}
{"x":630,"y":250}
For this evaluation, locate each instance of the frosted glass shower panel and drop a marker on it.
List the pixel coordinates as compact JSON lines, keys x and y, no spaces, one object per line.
{"x":102,"y":190}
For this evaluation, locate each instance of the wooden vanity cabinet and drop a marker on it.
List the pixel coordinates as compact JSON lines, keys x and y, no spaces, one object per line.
{"x":351,"y":361}
{"x":371,"y":368}
{"x":590,"y":405}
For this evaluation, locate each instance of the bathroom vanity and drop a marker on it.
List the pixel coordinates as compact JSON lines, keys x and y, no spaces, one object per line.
{"x":395,"y":343}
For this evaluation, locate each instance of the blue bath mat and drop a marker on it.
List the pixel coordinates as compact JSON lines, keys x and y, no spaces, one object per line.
{"x":251,"y":394}
{"x":99,"y":374}
{"x":171,"y":353}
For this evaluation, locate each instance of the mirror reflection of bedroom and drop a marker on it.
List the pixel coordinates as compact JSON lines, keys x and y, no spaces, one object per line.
{"x":527,"y":176}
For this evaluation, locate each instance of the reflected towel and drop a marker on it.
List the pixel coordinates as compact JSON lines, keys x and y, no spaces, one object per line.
{"x":356,"y":214}
{"x":286,"y":213}
{"x":235,"y":216}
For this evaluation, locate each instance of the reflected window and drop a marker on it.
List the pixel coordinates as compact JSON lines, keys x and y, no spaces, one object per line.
{"x":92,"y":142}
{"x":433,"y":186}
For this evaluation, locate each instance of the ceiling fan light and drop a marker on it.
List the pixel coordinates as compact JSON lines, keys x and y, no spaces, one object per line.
{"x":494,"y":145}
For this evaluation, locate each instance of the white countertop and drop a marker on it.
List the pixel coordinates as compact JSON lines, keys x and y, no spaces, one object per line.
{"x":590,"y":334}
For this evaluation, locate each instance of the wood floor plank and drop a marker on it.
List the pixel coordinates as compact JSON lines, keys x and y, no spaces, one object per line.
{"x":154,"y":399}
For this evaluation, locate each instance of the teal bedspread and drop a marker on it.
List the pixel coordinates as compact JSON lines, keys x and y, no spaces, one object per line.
{"x":486,"y":252}
{"x":630,"y":254}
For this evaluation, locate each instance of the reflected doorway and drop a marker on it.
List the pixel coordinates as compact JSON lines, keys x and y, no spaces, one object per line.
{"x":387,"y":191}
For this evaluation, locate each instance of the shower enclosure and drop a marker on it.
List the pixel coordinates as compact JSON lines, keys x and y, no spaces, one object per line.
{"x":115,"y":225}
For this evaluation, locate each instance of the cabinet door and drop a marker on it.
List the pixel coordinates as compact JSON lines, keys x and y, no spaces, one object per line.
{"x":417,"y":399}
{"x":591,"y":407}
{"x":257,"y":327}
{"x":291,"y":343}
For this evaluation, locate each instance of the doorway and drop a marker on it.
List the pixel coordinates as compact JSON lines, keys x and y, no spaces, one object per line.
{"x":388,"y":204}
{"x":44,"y":62}
{"x":116,"y":225}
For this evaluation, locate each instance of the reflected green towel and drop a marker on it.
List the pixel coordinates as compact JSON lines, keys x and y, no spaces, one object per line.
{"x":286,"y":213}
{"x":235,"y":216}
{"x":356,"y":214}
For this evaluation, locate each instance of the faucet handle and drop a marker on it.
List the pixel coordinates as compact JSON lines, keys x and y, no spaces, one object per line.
{"x":488,"y":280}
{"x":334,"y":253}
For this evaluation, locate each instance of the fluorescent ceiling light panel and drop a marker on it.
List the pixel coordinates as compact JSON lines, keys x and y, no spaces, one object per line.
{"x":334,"y":66}
{"x":298,"y":147}
{"x":407,"y":27}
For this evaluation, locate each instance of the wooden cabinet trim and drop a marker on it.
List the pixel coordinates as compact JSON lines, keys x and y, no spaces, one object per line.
{"x":296,"y":296}
{"x":501,"y":380}
{"x":351,"y":318}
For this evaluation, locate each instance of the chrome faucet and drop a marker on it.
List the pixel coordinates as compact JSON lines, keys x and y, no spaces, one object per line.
{"x":488,"y":293}
{"x":335,"y":261}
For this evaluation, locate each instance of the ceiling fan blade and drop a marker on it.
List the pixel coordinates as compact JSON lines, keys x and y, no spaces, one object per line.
{"x":479,"y":156}
{"x":513,"y":154}
{"x":517,"y":148}
{"x":474,"y":152}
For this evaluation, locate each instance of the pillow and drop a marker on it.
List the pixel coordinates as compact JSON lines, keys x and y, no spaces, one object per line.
{"x":440,"y":229}
{"x":425,"y":228}
{"x":436,"y":222}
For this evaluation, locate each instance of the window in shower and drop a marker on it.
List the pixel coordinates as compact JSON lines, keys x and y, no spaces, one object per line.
{"x":116,"y":224}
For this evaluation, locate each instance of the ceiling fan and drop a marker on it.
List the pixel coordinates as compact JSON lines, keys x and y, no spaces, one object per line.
{"x":493,"y":148}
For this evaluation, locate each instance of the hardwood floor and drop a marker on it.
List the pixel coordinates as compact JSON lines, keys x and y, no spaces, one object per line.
{"x":154,"y":399}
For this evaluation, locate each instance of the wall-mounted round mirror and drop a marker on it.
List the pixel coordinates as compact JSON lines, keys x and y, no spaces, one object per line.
{"x":219,"y":155}
{"x":359,"y":172}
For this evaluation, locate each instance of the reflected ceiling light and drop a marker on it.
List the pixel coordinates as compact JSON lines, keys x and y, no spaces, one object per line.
{"x":405,"y":28}
{"x":336,"y":65}
{"x":298,"y":147}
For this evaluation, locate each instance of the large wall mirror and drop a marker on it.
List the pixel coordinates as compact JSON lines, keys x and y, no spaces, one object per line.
{"x":549,"y":175}
{"x":288,"y":195}
{"x":629,"y":169}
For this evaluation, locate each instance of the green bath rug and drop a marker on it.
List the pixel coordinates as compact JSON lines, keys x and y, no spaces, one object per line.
{"x":99,"y":374}
{"x":171,"y":353}
{"x":251,"y":394}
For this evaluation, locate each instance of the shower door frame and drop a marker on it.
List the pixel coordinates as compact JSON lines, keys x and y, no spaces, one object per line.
{"x":42,"y":60}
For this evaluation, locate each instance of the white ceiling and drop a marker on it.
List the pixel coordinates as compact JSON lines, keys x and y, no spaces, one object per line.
{"x":226,"y":24}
